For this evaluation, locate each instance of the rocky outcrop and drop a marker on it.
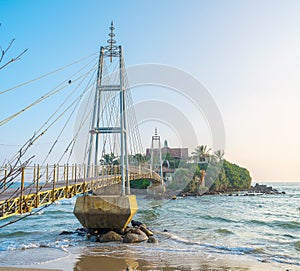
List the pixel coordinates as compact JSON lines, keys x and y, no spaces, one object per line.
{"x":263,"y":189}
{"x":137,"y":233}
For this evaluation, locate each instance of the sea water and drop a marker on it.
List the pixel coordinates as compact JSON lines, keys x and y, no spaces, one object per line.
{"x":263,"y":227}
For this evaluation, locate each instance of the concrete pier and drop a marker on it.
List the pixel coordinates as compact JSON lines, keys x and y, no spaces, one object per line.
{"x":105,"y":211}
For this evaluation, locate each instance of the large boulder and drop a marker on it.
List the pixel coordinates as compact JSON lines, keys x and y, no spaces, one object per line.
{"x":111,"y":236}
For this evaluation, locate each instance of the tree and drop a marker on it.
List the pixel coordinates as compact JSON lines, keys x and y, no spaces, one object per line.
{"x":110,"y":159}
{"x":201,"y":152}
{"x":3,"y":61}
{"x":219,"y":154}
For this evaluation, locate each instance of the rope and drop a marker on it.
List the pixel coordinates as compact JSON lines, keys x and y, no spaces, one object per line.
{"x":30,"y":142}
{"x":42,"y":98}
{"x":47,"y":74}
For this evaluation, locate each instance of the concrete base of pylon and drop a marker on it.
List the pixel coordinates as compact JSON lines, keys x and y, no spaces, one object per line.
{"x":105,"y":211}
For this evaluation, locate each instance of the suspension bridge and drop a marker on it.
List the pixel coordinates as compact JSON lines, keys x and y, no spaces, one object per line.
{"x":105,"y":139}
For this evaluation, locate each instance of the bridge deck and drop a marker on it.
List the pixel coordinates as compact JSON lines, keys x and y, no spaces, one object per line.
{"x":23,"y":200}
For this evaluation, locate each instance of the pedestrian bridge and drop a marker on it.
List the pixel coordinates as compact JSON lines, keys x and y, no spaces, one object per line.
{"x":93,"y":100}
{"x":40,"y":186}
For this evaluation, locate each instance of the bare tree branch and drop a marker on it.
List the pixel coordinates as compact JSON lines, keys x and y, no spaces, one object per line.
{"x":13,"y":59}
{"x":4,"y":52}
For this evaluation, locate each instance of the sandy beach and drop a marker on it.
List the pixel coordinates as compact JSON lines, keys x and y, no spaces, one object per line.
{"x":81,"y":262}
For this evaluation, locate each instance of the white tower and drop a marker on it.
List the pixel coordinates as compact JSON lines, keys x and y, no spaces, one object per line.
{"x":156,"y":157}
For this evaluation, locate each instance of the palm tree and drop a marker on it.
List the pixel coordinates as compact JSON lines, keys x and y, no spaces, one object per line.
{"x":219,"y":154}
{"x":201,"y":152}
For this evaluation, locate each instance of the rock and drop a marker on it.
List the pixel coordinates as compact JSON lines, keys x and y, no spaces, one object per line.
{"x":81,"y":231}
{"x":92,"y":238}
{"x":152,"y":240}
{"x":135,"y":223}
{"x":119,"y":231}
{"x":66,"y":232}
{"x":165,"y":230}
{"x":128,"y":229}
{"x":137,"y":231}
{"x":145,"y":230}
{"x":111,"y":236}
{"x":264,"y":189}
{"x":135,"y":238}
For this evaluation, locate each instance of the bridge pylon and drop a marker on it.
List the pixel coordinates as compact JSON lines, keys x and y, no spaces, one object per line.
{"x":119,"y":128}
{"x":108,"y":211}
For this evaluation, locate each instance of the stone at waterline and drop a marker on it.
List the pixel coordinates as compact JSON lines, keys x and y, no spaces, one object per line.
{"x":152,"y":240}
{"x":111,"y":236}
{"x":66,"y":232}
{"x":137,"y":231}
{"x":135,"y":238}
{"x":136,"y":223}
{"x":92,"y":238}
{"x":146,"y":230}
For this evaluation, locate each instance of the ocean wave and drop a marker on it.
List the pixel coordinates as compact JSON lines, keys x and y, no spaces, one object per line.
{"x":217,"y":218}
{"x":233,"y":250}
{"x":277,"y":223}
{"x":17,"y":234}
{"x":216,"y":248}
{"x":178,"y":238}
{"x":289,"y":236}
{"x":287,"y":224}
{"x":61,"y":244}
{"x":285,"y":260}
{"x":13,"y":247}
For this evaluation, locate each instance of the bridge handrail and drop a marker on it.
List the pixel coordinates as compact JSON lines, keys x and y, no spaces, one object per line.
{"x":50,"y":183}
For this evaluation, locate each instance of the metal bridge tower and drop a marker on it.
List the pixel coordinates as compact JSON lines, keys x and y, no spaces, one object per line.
{"x":110,"y":51}
{"x":153,"y":163}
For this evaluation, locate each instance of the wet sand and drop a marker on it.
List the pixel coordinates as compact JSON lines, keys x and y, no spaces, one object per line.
{"x":129,"y":259}
{"x":77,"y":262}
{"x":25,"y":269}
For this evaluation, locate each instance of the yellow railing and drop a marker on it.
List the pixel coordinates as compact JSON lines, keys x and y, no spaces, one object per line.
{"x":36,"y":186}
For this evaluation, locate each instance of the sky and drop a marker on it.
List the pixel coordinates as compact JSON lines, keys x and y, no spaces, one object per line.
{"x":245,"y":53}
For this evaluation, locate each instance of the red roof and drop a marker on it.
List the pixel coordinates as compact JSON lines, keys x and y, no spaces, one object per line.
{"x":179,"y":153}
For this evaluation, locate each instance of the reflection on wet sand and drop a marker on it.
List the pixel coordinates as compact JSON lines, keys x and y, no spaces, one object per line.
{"x":107,"y":263}
{"x":96,"y":263}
